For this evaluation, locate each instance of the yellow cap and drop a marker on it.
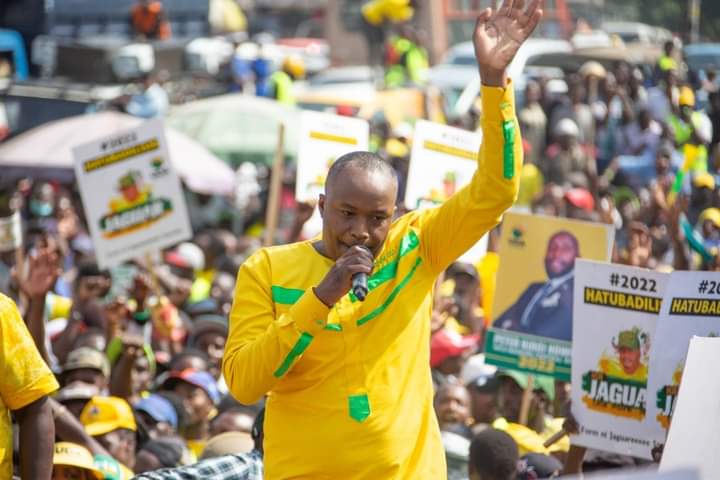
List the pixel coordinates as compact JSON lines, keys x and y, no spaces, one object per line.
{"x":294,"y":65}
{"x":396,"y":148}
{"x":687,"y":97}
{"x":704,"y":180}
{"x":712,"y":214}
{"x":102,"y":415}
{"x":73,"y":455}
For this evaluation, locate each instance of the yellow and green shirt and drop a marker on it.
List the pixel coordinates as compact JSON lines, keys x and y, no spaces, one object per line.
{"x":350,"y":392}
{"x":24,"y":376}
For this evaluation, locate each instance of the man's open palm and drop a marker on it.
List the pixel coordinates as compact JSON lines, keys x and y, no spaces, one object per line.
{"x":499,"y":33}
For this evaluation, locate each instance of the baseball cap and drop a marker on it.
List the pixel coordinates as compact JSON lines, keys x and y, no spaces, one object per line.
{"x":704,"y":180}
{"x":446,"y":343}
{"x":74,"y":455}
{"x":109,"y":467}
{"x":478,"y":374}
{"x":197,"y":378}
{"x":544,"y":466}
{"x":712,"y":214}
{"x":77,"y":391}
{"x":159,"y":408}
{"x":686,"y":97}
{"x":228,"y":442}
{"x":580,"y":198}
{"x":209,"y":323}
{"x":86,"y":357}
{"x":542,"y":382}
{"x":628,"y":339}
{"x":104,"y":414}
{"x":567,"y":127}
{"x":186,"y":255}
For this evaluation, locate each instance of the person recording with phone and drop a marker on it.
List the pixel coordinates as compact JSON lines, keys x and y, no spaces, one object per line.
{"x":348,"y":380}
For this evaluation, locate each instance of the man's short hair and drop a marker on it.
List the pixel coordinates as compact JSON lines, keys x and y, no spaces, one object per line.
{"x":494,"y":455}
{"x":368,"y":161}
{"x":565,"y":233}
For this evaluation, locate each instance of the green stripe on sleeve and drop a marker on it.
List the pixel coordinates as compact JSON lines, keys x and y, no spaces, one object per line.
{"x":508,"y":128}
{"x":286,"y":296}
{"x":392,"y":295}
{"x":408,"y":243}
{"x":298,"y":349}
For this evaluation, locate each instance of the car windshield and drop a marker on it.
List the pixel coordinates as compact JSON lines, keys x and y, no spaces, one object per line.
{"x":703,"y":61}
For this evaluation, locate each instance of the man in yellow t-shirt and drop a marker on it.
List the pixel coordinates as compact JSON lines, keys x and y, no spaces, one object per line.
{"x":25,"y":383}
{"x":350,"y":390}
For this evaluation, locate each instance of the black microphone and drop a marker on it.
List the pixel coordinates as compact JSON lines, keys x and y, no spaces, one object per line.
{"x":360,"y":282}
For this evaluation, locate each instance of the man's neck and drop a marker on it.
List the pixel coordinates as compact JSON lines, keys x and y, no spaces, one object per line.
{"x":198,"y":431}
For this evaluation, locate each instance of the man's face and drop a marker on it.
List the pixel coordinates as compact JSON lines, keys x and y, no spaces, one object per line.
{"x":630,"y":359}
{"x":154,"y":428}
{"x":560,"y":255}
{"x":196,"y":401}
{"x":213,"y":344}
{"x":120,"y":444}
{"x":452,"y":405}
{"x":510,"y":399}
{"x":141,"y":375}
{"x":190,"y":362}
{"x":66,"y":472}
{"x":89,"y":376}
{"x":357,"y":210}
{"x":482,"y":406}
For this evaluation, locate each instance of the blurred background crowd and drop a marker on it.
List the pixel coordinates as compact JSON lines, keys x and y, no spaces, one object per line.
{"x":620,"y":123}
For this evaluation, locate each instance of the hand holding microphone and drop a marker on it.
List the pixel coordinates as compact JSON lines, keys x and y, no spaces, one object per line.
{"x":350,"y":272}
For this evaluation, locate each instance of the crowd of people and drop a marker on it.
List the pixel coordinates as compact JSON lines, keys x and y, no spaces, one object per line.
{"x":126,"y":363}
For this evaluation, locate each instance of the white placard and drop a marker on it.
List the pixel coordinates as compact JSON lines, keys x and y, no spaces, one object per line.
{"x":442,"y":161}
{"x":324,"y":138}
{"x":131,"y":194}
{"x":639,"y":474}
{"x":694,"y":436}
{"x":10,"y":232}
{"x":691,"y":307}
{"x":615,"y":311}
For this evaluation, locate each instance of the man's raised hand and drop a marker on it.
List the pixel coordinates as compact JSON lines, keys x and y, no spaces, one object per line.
{"x":499,"y":34}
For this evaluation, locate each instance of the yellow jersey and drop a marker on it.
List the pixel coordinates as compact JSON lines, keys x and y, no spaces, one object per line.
{"x":350,"y":391}
{"x":24,"y":376}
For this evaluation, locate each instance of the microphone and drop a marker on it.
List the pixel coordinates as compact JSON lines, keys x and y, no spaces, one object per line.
{"x":360,"y":283}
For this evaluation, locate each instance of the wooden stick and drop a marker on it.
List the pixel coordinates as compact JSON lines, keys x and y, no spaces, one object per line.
{"x":526,"y":399}
{"x":556,"y":437}
{"x":155,"y":284}
{"x":271,"y":215}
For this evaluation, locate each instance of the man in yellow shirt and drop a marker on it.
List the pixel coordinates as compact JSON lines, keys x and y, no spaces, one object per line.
{"x":350,"y":392}
{"x":25,"y":383}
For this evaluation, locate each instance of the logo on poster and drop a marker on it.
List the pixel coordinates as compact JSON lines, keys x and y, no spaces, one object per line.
{"x":134,"y":209}
{"x":517,"y":237}
{"x":618,"y":387}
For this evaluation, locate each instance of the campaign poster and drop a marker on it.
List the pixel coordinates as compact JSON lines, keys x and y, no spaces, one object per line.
{"x":323,"y":138}
{"x":694,"y":437}
{"x":691,"y":307}
{"x":442,"y":161}
{"x":131,"y":194}
{"x":533,"y":306}
{"x":615,"y":313}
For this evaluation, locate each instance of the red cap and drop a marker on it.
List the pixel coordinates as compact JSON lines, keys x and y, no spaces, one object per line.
{"x":446,"y":343}
{"x":580,"y":198}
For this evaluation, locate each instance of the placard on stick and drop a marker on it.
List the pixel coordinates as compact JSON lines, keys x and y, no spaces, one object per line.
{"x":131,"y":194}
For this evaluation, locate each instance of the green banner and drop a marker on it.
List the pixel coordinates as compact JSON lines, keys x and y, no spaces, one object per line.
{"x":528,"y":353}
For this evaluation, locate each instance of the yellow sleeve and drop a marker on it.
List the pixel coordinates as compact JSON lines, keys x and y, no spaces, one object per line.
{"x":451,"y":229}
{"x":24,"y":375}
{"x":260,"y":349}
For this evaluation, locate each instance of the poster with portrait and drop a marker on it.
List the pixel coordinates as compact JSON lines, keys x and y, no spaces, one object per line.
{"x":691,"y":307}
{"x":533,"y":308}
{"x":615,"y":313}
{"x":10,"y":232}
{"x":323,"y":138}
{"x":131,"y":194}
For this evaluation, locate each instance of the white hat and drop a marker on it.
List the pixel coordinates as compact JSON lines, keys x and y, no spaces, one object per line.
{"x":566,"y":127}
{"x":474,"y":368}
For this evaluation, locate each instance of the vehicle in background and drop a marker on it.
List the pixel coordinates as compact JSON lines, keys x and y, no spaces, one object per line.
{"x":314,"y":52}
{"x":636,"y":32}
{"x":458,"y":76}
{"x":701,"y":57}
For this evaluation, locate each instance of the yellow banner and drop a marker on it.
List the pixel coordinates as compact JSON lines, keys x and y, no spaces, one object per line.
{"x":695,"y":306}
{"x":121,"y":155}
{"x":625,"y":301}
{"x":329,"y":137}
{"x":447,"y":149}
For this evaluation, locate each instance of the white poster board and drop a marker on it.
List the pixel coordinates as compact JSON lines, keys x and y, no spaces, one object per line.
{"x":323,"y":138}
{"x":442,"y":161}
{"x":691,"y":307}
{"x":694,"y":437}
{"x":615,"y":311}
{"x":639,"y":474}
{"x":131,"y":194}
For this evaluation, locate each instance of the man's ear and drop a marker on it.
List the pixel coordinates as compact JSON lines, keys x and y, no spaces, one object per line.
{"x":321,"y":205}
